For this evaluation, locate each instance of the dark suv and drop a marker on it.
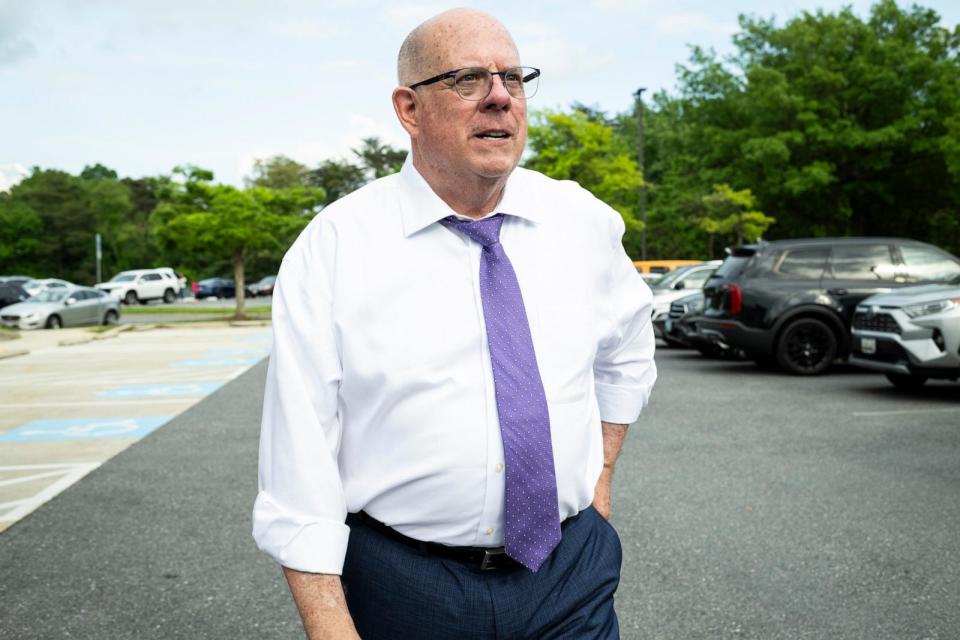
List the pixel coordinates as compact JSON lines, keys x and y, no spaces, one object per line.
{"x":793,"y":302}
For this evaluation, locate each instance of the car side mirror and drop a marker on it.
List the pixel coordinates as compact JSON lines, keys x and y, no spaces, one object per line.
{"x":69,"y":301}
{"x":680,"y":285}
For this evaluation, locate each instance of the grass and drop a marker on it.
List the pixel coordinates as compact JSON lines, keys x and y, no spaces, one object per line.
{"x":153,"y":310}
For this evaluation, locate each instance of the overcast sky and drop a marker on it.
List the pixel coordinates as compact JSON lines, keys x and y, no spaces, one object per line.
{"x":144,"y":85}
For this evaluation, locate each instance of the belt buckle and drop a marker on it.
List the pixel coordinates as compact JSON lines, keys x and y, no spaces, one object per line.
{"x":489,"y":558}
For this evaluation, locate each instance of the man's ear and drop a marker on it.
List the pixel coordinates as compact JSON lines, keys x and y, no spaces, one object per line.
{"x":407,"y":105}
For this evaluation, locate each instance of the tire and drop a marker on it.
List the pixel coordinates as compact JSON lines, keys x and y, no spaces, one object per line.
{"x":110,"y":318}
{"x":806,"y":347}
{"x":130,"y":298}
{"x":54,"y":322}
{"x":906,"y":382}
{"x":169,"y":296}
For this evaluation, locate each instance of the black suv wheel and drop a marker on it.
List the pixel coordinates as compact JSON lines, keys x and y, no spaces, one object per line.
{"x":806,"y":347}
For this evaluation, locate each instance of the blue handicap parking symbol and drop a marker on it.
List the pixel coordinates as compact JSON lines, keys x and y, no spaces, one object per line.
{"x":84,"y":429}
{"x":161,"y":390}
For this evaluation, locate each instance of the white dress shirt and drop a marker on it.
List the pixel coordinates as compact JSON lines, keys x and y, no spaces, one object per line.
{"x":380,"y":394}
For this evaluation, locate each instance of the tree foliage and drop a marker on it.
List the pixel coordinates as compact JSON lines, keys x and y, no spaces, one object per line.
{"x":229,"y":225}
{"x":582,"y":146}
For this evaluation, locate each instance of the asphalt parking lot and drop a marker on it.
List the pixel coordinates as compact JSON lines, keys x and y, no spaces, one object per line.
{"x":751,"y":504}
{"x":77,"y":398}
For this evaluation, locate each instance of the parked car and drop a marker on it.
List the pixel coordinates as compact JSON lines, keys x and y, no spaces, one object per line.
{"x":21,"y":280}
{"x":675,"y":285}
{"x":661,"y":266}
{"x":143,"y":285}
{"x":682,"y":326}
{"x":911,"y":335}
{"x":35,"y":286}
{"x":216,"y":288}
{"x":55,"y":308}
{"x":794,"y":302}
{"x":262,"y":287}
{"x":11,"y":293}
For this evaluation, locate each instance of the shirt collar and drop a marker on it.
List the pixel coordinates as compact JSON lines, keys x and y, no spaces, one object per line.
{"x":420,"y":206}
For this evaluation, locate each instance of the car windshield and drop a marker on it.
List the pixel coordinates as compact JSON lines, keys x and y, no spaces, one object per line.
{"x":49,"y":296}
{"x":122,"y":278}
{"x":955,"y":280}
{"x":731,"y":266}
{"x":666,"y":282}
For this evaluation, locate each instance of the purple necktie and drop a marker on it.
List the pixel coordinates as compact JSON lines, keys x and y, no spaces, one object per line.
{"x":532,"y":527}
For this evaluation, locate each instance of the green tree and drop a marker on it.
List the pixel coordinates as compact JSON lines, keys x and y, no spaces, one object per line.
{"x":66,"y":240}
{"x":278,"y":172}
{"x":337,"y":178}
{"x":20,"y":237}
{"x":732,"y":212}
{"x":379,"y":159}
{"x":838,"y":125}
{"x":227,"y":224}
{"x":582,"y":146}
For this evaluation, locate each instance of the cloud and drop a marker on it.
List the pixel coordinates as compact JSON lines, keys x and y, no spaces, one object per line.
{"x":15,"y":51}
{"x":10,"y":174}
{"x":686,"y":23}
{"x":14,"y":45}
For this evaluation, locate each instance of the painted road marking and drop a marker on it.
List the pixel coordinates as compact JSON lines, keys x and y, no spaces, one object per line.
{"x":237,"y":352}
{"x":95,"y":403}
{"x":161,"y":390}
{"x":84,"y":429}
{"x":69,"y":473}
{"x":904,"y":412}
{"x":217,"y":362}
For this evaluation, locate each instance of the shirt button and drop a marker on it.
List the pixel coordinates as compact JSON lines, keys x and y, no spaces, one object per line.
{"x":499,"y":467}
{"x":489,"y":531}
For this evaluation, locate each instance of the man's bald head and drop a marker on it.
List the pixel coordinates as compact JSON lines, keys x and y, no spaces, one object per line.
{"x":425,"y":49}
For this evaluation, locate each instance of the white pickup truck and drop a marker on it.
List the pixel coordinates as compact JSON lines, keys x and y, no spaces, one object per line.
{"x":143,"y":285}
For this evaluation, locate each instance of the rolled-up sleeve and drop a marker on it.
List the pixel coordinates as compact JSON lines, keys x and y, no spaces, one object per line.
{"x":624,"y":370}
{"x":299,"y":513}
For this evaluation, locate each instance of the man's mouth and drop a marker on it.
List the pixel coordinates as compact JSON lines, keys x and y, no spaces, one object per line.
{"x":493,"y":134}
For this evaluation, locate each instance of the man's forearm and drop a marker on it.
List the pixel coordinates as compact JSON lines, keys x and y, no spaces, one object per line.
{"x":322,"y":605}
{"x":613,"y":437}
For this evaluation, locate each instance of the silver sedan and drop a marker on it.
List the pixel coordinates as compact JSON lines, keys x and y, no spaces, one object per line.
{"x":55,"y":308}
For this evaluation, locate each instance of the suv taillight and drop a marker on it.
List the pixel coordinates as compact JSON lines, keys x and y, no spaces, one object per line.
{"x":734,"y":299}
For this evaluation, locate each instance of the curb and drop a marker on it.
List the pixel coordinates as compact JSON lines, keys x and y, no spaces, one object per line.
{"x":13,"y":353}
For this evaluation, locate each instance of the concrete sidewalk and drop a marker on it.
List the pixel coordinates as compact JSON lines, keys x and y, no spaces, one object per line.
{"x":156,"y":542}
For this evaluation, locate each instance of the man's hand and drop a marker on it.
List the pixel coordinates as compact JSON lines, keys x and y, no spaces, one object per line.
{"x":322,"y":605}
{"x":613,"y":436}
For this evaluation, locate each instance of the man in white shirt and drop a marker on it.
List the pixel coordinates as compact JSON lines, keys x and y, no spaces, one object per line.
{"x":458,"y":350}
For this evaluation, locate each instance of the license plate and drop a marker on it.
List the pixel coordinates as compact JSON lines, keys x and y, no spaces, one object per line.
{"x":868,"y":345}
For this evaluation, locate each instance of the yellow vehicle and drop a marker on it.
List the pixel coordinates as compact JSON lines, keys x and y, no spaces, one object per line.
{"x":661,"y":266}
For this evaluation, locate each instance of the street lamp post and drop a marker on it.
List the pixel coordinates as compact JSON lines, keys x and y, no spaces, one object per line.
{"x":643,"y":188}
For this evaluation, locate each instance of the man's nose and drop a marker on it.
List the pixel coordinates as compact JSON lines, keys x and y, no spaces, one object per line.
{"x":498,"y":98}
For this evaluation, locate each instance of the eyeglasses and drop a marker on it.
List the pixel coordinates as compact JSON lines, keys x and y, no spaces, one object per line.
{"x":476,"y":83}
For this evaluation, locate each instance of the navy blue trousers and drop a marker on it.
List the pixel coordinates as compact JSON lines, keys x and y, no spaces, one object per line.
{"x":395,"y":591}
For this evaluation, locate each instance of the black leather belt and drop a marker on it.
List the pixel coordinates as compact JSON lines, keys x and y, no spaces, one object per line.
{"x":485,"y":558}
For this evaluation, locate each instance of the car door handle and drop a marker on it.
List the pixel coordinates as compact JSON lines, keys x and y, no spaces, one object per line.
{"x":837,"y":292}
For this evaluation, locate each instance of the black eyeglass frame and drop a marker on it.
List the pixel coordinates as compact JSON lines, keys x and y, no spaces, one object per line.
{"x":535,"y":73}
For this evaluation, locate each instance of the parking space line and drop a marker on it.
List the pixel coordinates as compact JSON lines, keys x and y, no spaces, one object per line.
{"x":903,"y":412}
{"x":71,"y":472}
{"x":100,"y":403}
